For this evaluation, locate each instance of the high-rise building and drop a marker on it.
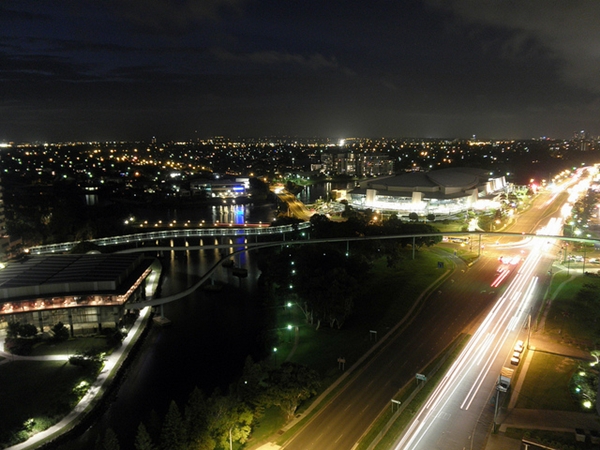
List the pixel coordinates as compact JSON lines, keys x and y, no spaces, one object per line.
{"x":359,"y":164}
{"x":4,"y":241}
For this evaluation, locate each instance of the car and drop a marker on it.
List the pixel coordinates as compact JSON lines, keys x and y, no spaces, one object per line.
{"x":516,"y":355}
{"x":514,"y":361}
{"x":519,"y":346}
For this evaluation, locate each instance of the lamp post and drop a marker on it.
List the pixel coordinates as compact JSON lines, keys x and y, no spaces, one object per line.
{"x":496,"y":411}
{"x":528,"y":328}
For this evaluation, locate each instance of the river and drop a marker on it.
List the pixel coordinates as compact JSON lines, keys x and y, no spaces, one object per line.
{"x":211,"y":333}
{"x":206,"y":345}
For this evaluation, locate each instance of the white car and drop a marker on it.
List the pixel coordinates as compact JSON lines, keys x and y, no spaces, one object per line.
{"x":518,"y":347}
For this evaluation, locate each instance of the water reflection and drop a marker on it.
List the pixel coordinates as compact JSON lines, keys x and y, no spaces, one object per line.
{"x":209,"y":215}
{"x":206,"y":345}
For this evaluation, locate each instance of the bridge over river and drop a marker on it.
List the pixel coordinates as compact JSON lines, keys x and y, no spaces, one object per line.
{"x":236,"y":248}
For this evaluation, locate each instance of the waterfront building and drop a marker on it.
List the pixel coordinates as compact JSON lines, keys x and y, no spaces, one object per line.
{"x":84,"y":292}
{"x":221,"y":188}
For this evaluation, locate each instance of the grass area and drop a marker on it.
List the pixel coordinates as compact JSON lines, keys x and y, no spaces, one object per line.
{"x":38,"y":390}
{"x":555,"y":438}
{"x":558,"y":283}
{"x":266,"y":426}
{"x":375,"y":309}
{"x":546,"y":385}
{"x":28,"y":404}
{"x":573,"y":313}
{"x":449,"y":226}
{"x":71,"y":346}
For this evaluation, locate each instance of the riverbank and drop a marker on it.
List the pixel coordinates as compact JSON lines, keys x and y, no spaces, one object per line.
{"x":98,"y":394}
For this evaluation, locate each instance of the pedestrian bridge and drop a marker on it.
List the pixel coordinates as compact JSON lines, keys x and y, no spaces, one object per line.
{"x":233,"y":231}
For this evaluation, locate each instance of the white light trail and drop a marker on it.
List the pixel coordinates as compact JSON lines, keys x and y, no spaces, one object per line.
{"x":486,"y":344}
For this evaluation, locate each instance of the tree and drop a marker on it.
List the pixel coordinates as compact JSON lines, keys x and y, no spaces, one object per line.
{"x":61,"y":333}
{"x":143,"y":441}
{"x":12,"y":330}
{"x":431,"y":217}
{"x":289,"y":385}
{"x":110,"y":441}
{"x":340,"y":297}
{"x":251,"y":385}
{"x":27,"y":330}
{"x":172,"y":434}
{"x":196,"y":418}
{"x":231,"y":420}
{"x":259,"y":190}
{"x":413,"y":216}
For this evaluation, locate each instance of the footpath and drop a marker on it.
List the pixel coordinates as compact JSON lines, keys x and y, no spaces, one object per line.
{"x":111,"y":367}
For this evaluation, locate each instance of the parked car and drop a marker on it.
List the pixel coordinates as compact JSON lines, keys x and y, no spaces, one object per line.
{"x":519,"y":346}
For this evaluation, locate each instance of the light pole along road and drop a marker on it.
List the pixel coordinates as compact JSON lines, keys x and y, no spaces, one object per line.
{"x":463,"y":398}
{"x":459,"y":306}
{"x":448,"y":418}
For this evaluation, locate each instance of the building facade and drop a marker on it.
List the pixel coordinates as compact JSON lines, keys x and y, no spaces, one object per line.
{"x":441,"y":192}
{"x":356,"y":164}
{"x":84,"y":292}
{"x":223,"y":188}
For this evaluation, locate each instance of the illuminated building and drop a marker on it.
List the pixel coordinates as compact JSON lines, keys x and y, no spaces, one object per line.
{"x":440,"y":192}
{"x":223,"y":188}
{"x":84,"y":292}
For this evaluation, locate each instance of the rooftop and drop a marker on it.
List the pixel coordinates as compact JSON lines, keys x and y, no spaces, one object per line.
{"x":61,"y":274}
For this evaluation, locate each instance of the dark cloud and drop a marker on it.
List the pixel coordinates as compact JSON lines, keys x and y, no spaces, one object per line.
{"x":171,"y":16}
{"x":566,"y":32}
{"x":123,"y":69}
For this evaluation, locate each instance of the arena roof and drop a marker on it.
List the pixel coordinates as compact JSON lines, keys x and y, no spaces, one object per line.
{"x":465,"y":177}
{"x":69,"y":274}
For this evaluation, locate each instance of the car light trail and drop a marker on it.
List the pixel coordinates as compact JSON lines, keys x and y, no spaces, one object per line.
{"x":503,"y":274}
{"x":468,"y":373}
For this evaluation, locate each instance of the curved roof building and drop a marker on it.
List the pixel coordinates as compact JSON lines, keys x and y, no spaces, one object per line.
{"x":440,"y":192}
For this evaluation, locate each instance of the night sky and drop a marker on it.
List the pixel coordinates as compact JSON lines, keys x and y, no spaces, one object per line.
{"x":185,"y":69}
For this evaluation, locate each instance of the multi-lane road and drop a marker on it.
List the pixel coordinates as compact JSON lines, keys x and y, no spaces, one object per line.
{"x":466,"y":302}
{"x":459,"y":413}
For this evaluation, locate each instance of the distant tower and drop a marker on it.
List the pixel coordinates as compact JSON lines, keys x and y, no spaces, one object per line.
{"x":153,"y":140}
{"x":4,"y":241}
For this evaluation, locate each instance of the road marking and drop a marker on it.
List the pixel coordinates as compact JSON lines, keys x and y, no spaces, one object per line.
{"x":336,"y":441}
{"x":444,"y":416}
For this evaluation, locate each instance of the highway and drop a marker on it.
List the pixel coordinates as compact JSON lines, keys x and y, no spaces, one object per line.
{"x":468,"y":299}
{"x":459,"y":413}
{"x":449,"y":418}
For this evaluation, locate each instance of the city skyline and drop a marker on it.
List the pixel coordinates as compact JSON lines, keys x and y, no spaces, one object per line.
{"x":114,"y":70}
